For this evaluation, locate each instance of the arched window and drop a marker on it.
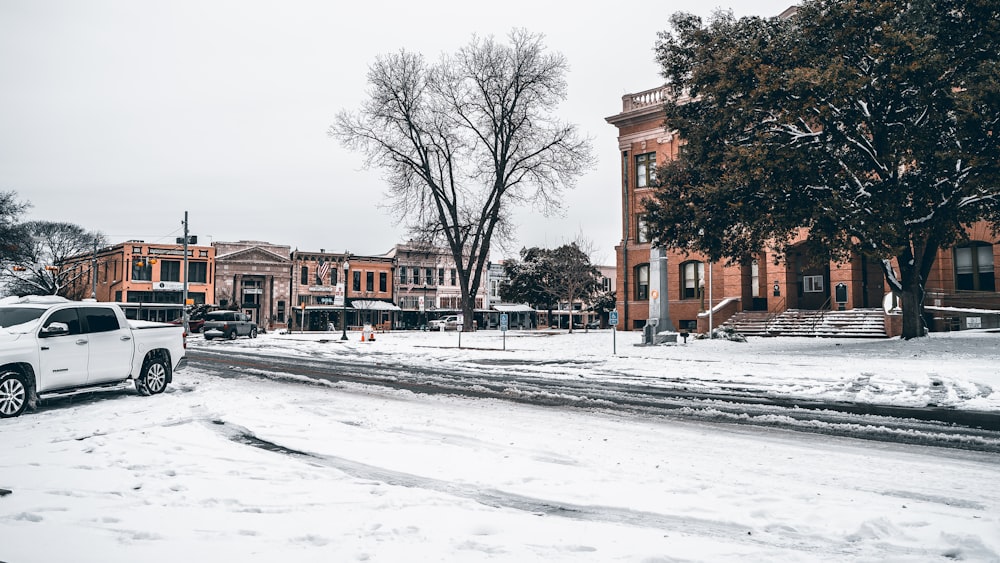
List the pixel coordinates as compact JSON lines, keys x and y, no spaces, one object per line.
{"x":642,"y":282}
{"x":692,"y":274}
{"x":974,"y":267}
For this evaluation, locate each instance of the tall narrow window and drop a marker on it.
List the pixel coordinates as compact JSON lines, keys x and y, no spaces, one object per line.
{"x":416,"y":276}
{"x":369,"y":281}
{"x":755,"y":279}
{"x":644,"y":164}
{"x":974,"y":267}
{"x":402,"y":274}
{"x":170,"y":270}
{"x":382,"y":282}
{"x":454,"y":277}
{"x":641,"y":229}
{"x":440,"y":276}
{"x":642,"y":282}
{"x":692,"y":274}
{"x":141,"y":269}
{"x":356,"y":284}
{"x":304,"y":280}
{"x":197,"y":272}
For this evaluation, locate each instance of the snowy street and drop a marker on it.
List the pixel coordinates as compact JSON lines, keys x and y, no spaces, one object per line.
{"x":270,"y":466}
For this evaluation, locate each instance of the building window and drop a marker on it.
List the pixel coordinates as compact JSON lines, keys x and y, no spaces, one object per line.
{"x":304,"y":279}
{"x":440,"y":276}
{"x":429,"y":276}
{"x":454,"y":277}
{"x":812,"y":284}
{"x":369,"y":281}
{"x":281,"y":311}
{"x":974,"y":267}
{"x":382,"y":282}
{"x":416,"y":276}
{"x":334,"y":275}
{"x":692,"y":279}
{"x":644,"y":164}
{"x":641,"y":229}
{"x":606,"y":284}
{"x":755,"y":279}
{"x":170,"y":270}
{"x":198,"y":272}
{"x":642,"y":282}
{"x":142,"y":270}
{"x":402,"y":274}
{"x":356,"y":283}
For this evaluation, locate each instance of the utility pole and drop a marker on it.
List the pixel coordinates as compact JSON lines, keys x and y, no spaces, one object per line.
{"x":93,"y":272}
{"x":184,"y":297}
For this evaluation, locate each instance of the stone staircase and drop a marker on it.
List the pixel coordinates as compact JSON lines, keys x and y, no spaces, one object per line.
{"x":855,"y":323}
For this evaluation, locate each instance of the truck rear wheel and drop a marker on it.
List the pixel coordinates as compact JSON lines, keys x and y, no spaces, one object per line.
{"x":13,"y":394}
{"x":153,"y":377}
{"x":231,"y":334}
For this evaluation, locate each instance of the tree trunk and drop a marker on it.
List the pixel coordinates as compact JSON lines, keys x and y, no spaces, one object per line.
{"x":911,"y":299}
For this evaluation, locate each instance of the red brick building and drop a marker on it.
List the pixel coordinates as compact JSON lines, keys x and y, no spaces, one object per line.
{"x":962,"y":282}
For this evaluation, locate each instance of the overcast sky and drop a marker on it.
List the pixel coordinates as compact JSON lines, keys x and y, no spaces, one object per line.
{"x":121,"y":115}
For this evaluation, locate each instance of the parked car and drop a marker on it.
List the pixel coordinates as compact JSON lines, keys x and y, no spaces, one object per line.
{"x":594,"y":324}
{"x":447,"y":323}
{"x":228,"y":324}
{"x":51,"y":346}
{"x":194,"y":325}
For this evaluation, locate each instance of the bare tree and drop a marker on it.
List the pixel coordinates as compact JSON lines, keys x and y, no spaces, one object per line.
{"x":38,"y":268}
{"x":463,"y":141}
{"x":12,"y":232}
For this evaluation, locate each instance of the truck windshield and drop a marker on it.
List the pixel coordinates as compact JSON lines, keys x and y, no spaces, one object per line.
{"x":12,"y":316}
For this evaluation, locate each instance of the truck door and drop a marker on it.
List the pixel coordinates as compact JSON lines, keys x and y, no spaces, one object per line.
{"x":62,"y":358}
{"x":111,"y":345}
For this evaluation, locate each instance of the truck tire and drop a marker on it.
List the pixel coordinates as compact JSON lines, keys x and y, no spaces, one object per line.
{"x":13,"y":394}
{"x":231,"y":334}
{"x":253,"y":332}
{"x":153,"y":376}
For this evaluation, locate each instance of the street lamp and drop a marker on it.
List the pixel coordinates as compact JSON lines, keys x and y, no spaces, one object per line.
{"x":343,"y":310}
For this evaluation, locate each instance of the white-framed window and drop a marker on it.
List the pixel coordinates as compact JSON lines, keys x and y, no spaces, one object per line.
{"x":812,"y":284}
{"x":692,"y":279}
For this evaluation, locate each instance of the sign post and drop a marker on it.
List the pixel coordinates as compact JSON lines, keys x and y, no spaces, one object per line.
{"x":504,"y":323}
{"x":613,"y":321}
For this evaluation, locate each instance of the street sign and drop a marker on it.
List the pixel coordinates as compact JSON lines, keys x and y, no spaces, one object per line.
{"x":504,"y":321}
{"x":613,"y":318}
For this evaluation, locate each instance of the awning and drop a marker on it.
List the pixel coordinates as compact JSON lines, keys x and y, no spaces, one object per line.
{"x":510,"y":308}
{"x":373,"y":305}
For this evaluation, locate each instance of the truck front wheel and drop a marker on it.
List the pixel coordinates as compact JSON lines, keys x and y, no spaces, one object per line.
{"x":13,"y":394}
{"x":153,"y":377}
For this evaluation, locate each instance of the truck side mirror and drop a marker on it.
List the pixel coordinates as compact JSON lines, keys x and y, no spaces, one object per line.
{"x":54,"y":329}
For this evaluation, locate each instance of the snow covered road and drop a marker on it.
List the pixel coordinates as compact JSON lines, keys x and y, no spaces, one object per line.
{"x":255,"y":468}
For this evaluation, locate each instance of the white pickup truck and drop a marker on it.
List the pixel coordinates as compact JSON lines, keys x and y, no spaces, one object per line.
{"x":50,"y":346}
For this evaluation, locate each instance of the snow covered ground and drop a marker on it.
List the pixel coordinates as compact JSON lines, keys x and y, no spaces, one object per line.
{"x":260,"y":468}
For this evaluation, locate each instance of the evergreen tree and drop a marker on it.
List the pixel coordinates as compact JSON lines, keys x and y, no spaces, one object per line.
{"x":872,"y":123}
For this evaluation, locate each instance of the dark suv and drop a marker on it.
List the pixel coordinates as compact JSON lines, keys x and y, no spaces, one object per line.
{"x":228,"y":324}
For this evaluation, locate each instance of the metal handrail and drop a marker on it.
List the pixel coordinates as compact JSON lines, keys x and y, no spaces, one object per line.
{"x":822,"y":314}
{"x":772,"y":316}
